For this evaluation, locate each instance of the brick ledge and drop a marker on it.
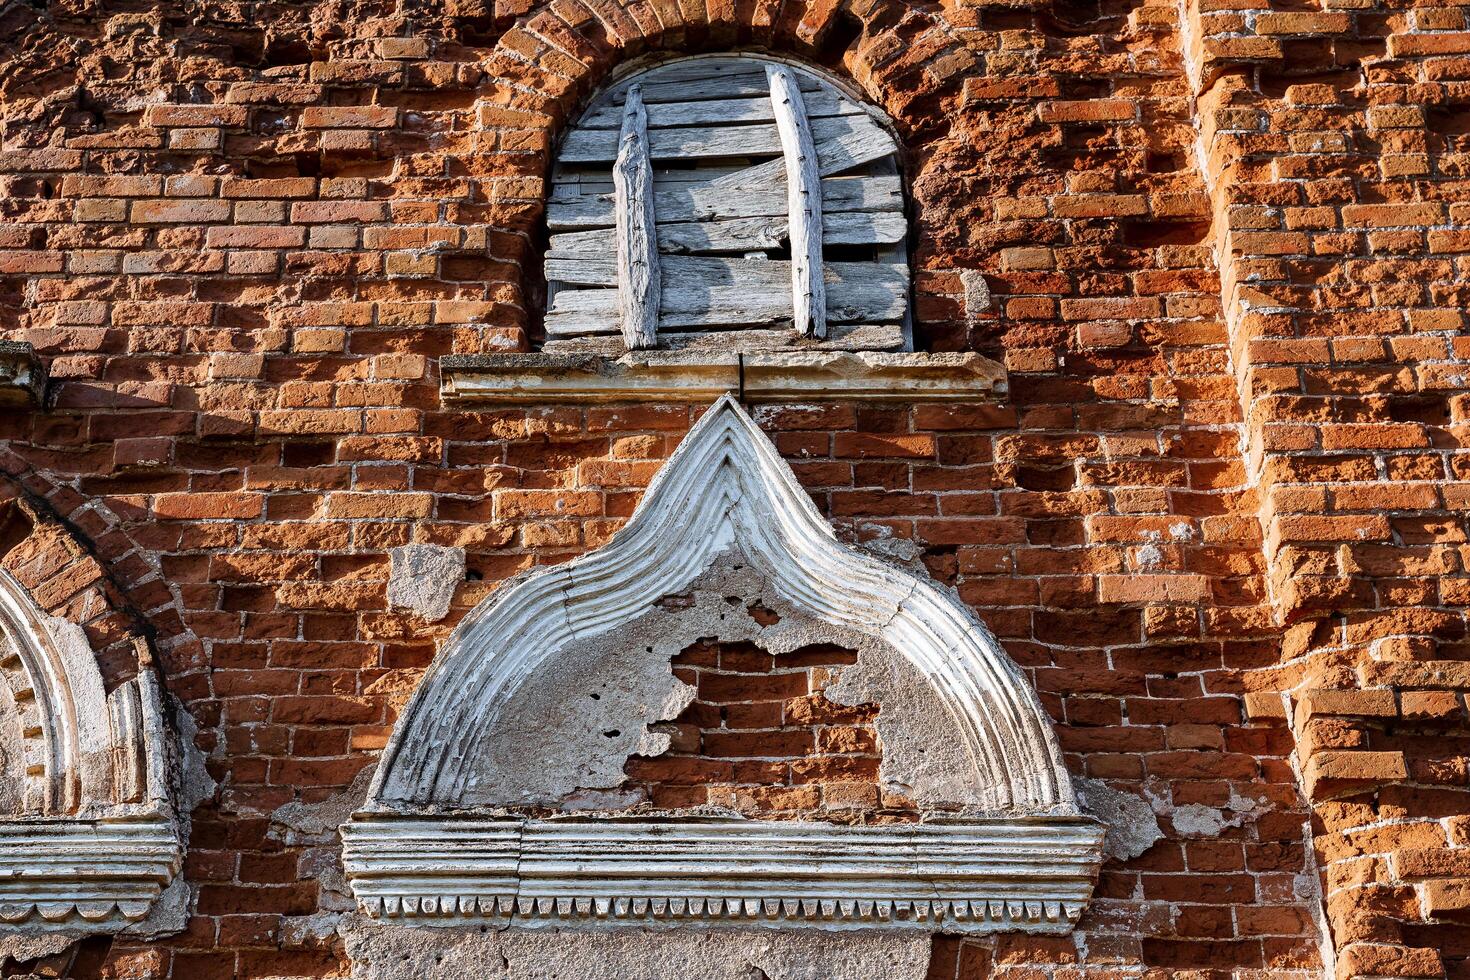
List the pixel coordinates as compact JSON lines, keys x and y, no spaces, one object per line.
{"x":765,"y":376}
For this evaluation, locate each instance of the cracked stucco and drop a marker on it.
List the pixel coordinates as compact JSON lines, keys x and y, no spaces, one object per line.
{"x":1131,"y":827}
{"x":567,"y":732}
{"x":423,"y":579}
{"x":409,"y":953}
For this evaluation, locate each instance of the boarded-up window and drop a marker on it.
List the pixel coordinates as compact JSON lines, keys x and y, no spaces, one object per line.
{"x":734,"y":199}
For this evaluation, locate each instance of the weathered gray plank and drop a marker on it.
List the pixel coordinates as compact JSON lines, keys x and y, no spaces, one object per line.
{"x":803,"y":204}
{"x":840,"y":336}
{"x":738,"y":235}
{"x":836,"y":154}
{"x":573,"y":181}
{"x":839,"y":136}
{"x":720,"y":112}
{"x":593,"y":311}
{"x":703,"y":78}
{"x":638,"y":275}
{"x":715,"y":292}
{"x":699,"y":202}
{"x":715,"y":270}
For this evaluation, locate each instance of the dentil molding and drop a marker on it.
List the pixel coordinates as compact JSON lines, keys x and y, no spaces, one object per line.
{"x":964,"y":876}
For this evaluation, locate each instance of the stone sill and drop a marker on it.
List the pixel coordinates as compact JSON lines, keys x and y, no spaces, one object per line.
{"x":700,"y":376}
{"x":22,"y":376}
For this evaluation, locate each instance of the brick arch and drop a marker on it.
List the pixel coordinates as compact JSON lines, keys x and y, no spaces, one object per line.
{"x":76,"y":657}
{"x":80,"y":563}
{"x":906,"y":61}
{"x":549,"y":63}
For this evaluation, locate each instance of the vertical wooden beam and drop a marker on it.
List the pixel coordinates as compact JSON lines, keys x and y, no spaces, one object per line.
{"x":803,"y":203}
{"x":639,"y":282}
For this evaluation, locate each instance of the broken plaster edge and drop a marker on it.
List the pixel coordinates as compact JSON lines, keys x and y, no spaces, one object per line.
{"x":757,"y":376}
{"x":22,"y":375}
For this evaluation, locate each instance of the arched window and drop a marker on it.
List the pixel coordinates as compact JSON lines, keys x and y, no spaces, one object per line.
{"x":732,"y":199}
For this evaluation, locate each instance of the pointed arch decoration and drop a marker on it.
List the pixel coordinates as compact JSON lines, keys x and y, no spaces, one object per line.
{"x":424,"y":847}
{"x":89,"y":842}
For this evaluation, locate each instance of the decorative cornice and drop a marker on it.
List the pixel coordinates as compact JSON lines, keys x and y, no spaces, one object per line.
{"x":83,"y":873}
{"x":22,"y":375}
{"x":969,"y":877}
{"x":698,"y":376}
{"x":423,"y":847}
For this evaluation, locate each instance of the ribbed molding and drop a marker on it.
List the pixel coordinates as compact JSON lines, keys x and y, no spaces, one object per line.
{"x":724,"y":486}
{"x":975,"y":876}
{"x":84,"y":872}
{"x":94,"y":844}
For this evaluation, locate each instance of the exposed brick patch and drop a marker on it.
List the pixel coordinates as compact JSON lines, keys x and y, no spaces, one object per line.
{"x":761,"y":738}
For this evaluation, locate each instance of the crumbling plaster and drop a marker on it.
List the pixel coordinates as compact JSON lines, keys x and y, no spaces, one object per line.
{"x":423,"y":579}
{"x":570,"y":728}
{"x":724,"y":485}
{"x":395,"y":952}
{"x":1131,"y":827}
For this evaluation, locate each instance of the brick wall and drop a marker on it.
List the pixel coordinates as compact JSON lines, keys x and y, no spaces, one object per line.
{"x":1334,"y":143}
{"x":1218,"y":520}
{"x":761,"y":739}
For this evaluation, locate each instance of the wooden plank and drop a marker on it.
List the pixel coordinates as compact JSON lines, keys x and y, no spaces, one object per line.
{"x":573,"y":181}
{"x":840,"y":336}
{"x":836,"y":154}
{"x":593,"y":311}
{"x":720,"y":112}
{"x":700,"y":202}
{"x":638,"y":271}
{"x":803,"y":204}
{"x":712,"y":293}
{"x":841,"y":135}
{"x":738,"y":235}
{"x":718,"y":270}
{"x":701,"y":79}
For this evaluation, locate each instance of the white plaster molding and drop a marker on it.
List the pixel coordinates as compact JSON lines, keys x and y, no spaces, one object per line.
{"x":1022,"y":858}
{"x":96,"y":829}
{"x":700,"y":375}
{"x":725,"y":485}
{"x":965,"y":876}
{"x":70,"y":873}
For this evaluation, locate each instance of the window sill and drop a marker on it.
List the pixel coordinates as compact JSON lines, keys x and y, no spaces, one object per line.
{"x":691,"y":376}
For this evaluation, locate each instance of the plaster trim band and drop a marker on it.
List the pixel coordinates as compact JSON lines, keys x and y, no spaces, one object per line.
{"x":84,"y":872}
{"x":692,"y":376}
{"x":965,"y":876}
